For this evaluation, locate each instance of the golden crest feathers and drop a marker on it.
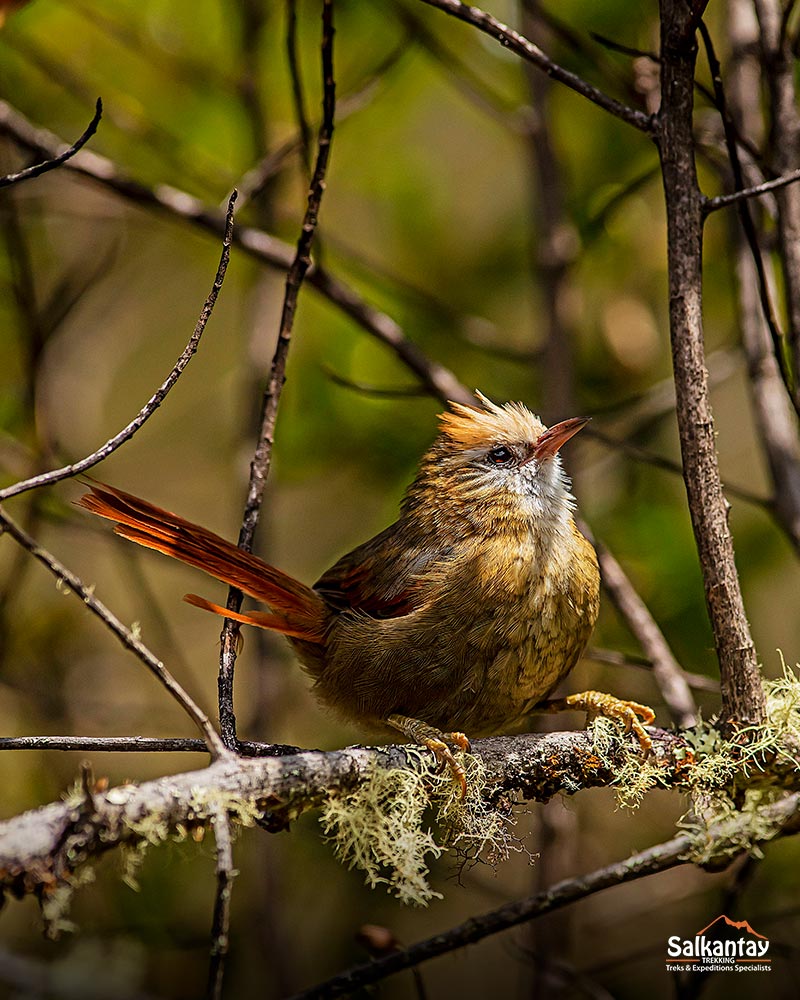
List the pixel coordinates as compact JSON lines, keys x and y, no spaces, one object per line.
{"x":473,"y":426}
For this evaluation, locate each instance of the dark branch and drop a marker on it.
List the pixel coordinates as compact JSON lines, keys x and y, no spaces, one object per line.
{"x":42,"y":168}
{"x":124,"y":634}
{"x":740,"y":681}
{"x":221,"y":923}
{"x":724,"y":200}
{"x":262,"y":458}
{"x":523,"y":47}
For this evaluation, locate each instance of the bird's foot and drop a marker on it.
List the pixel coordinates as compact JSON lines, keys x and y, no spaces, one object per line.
{"x":596,"y":703}
{"x":439,"y":743}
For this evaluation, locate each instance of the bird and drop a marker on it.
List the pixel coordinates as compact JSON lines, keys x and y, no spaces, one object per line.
{"x":459,"y":618}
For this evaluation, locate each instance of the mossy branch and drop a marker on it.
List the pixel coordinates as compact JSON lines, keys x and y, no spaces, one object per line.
{"x":45,"y":850}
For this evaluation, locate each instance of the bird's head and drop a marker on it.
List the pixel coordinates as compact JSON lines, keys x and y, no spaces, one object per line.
{"x":498,"y":461}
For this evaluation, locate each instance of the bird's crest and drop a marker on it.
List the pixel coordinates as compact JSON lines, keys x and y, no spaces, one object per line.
{"x":473,"y":426}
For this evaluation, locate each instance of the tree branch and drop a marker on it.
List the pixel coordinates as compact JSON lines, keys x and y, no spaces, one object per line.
{"x":35,"y":846}
{"x":37,"y":169}
{"x":214,"y":744}
{"x":220,"y":927}
{"x":523,"y":47}
{"x":137,"y":744}
{"x":262,"y":458}
{"x":740,"y":683}
{"x":724,"y":200}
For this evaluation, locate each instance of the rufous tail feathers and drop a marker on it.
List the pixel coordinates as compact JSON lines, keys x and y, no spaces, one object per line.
{"x":297,"y":610}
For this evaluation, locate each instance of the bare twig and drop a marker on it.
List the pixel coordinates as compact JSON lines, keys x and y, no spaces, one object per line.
{"x":262,"y":458}
{"x":523,"y":47}
{"x":220,"y":928}
{"x":56,"y":475}
{"x":136,"y":744}
{"x":66,"y":578}
{"x":668,"y":673}
{"x":670,"y":854}
{"x":41,"y":168}
{"x":742,"y":694}
{"x":724,"y":200}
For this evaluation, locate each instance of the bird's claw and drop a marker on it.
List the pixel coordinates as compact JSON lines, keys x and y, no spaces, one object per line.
{"x":445,"y":756}
{"x":596,"y":703}
{"x":438,"y":743}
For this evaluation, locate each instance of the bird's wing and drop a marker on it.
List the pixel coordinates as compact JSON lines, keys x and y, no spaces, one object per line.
{"x":386,"y":577}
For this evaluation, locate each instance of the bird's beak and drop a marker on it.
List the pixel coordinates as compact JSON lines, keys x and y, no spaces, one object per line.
{"x":554,"y":437}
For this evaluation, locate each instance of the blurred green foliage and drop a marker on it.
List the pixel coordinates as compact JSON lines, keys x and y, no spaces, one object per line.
{"x":429,"y":214}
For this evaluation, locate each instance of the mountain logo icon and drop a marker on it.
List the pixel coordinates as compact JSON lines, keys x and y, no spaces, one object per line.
{"x":723,"y":923}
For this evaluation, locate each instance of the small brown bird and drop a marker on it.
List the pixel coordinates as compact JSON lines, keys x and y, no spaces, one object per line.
{"x":461,"y":616}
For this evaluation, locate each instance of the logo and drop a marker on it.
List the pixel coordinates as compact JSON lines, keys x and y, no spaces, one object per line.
{"x":724,"y":946}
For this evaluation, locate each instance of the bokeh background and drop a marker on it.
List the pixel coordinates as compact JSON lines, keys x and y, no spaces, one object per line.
{"x":438,"y":212}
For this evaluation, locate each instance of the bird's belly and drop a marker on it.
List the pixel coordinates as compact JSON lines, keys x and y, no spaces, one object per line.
{"x":473,"y":673}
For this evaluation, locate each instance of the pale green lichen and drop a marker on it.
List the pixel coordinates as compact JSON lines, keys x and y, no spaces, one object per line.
{"x":718,"y":765}
{"x":635,"y":774}
{"x":729,"y":797}
{"x":56,"y":900}
{"x":153,"y":829}
{"x":382,"y":826}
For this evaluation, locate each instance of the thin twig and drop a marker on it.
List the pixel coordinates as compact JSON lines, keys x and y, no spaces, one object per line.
{"x":668,"y":673}
{"x":724,"y":200}
{"x":262,"y":458}
{"x":42,"y":168}
{"x":67,"y":471}
{"x":220,"y":927}
{"x":66,"y":578}
{"x":137,"y":744}
{"x":523,"y":47}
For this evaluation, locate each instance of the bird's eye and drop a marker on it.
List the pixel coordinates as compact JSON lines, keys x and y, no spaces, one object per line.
{"x":502,"y":456}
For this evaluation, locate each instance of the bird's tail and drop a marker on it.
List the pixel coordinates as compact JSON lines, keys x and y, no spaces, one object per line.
{"x":297,"y":611}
